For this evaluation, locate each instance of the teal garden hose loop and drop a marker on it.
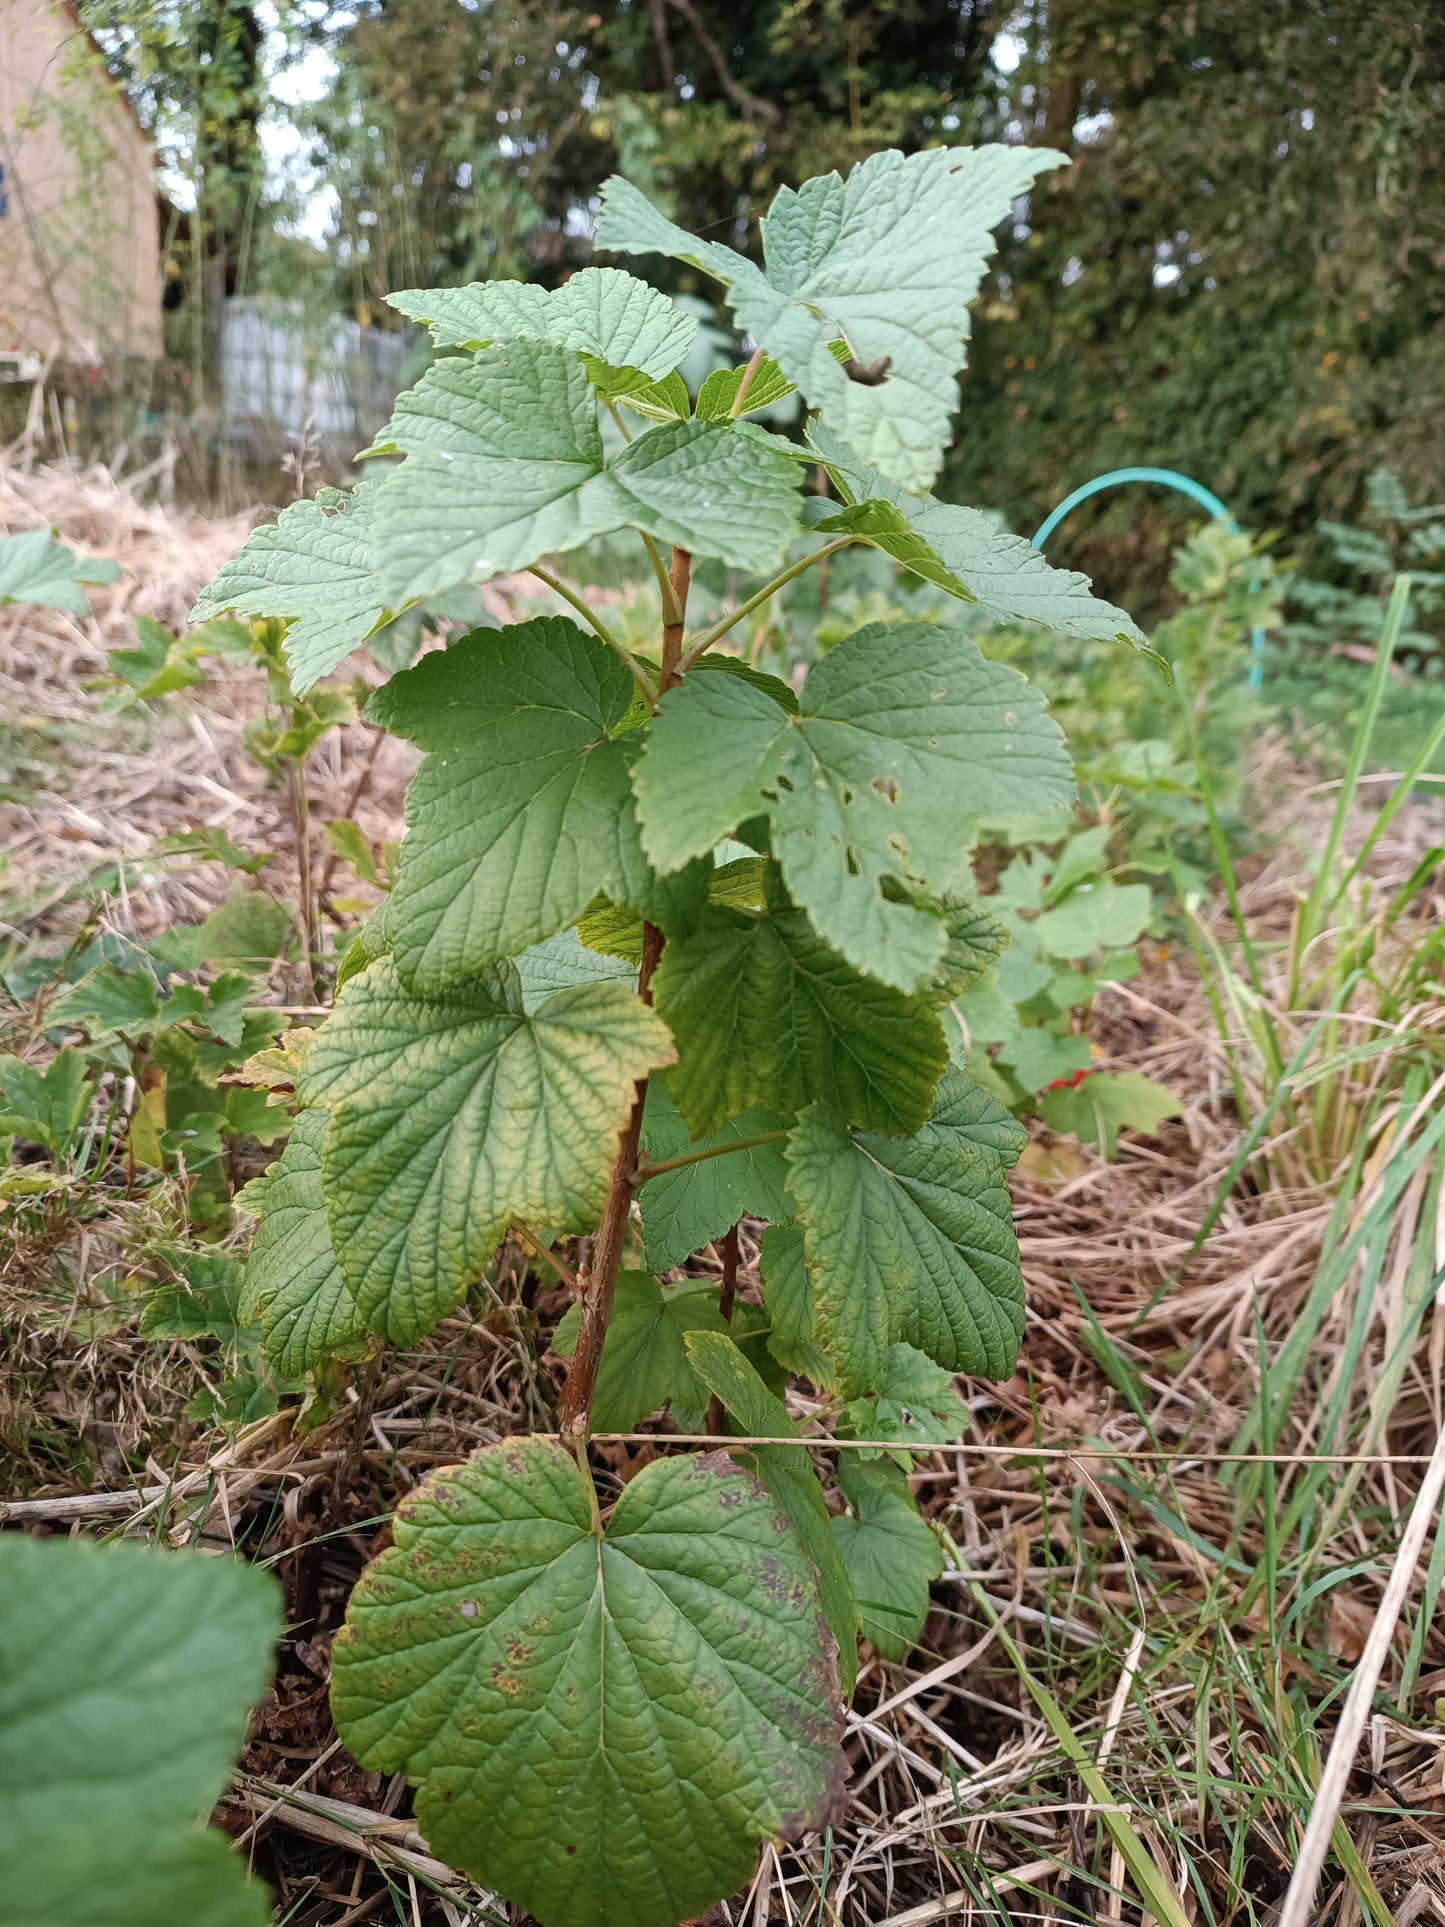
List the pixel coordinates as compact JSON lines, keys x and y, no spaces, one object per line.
{"x":1165,"y":478}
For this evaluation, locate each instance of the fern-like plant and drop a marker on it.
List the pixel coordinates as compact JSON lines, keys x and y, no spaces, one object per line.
{"x":668,"y":946}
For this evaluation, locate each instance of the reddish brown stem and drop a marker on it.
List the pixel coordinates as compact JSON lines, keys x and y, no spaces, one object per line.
{"x":597,"y":1282}
{"x":716,"y":1416}
{"x":680,"y":575}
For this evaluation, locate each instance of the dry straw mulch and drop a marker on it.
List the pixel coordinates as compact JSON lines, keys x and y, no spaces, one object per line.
{"x":1123,"y":1573}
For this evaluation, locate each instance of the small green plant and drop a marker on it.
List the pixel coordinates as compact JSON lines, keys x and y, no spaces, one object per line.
{"x":1365,"y":559}
{"x":668,"y":933}
{"x":126,"y":1676}
{"x":1071,"y":927}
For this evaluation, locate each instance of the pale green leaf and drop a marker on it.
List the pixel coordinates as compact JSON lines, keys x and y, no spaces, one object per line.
{"x":602,"y":1727}
{"x":523,"y":810}
{"x":905,"y":737}
{"x":126,"y":1676}
{"x":890,"y":1555}
{"x":684,"y":1210}
{"x":1095,"y":916}
{"x":312,"y":566}
{"x":787,"y":1474}
{"x":889,"y":259}
{"x":505,"y":464}
{"x":912,"y":1238}
{"x":788,"y":1302}
{"x":961,"y":551}
{"x":1036,"y":1057}
{"x":293,"y":1282}
{"x":600,"y":312}
{"x":765,"y":1013}
{"x":561,"y":962}
{"x":452,"y":1117}
{"x":45,"y":1106}
{"x":43,"y":572}
{"x":1107,"y":1103}
{"x":644,"y":1362}
{"x":914,"y":1402}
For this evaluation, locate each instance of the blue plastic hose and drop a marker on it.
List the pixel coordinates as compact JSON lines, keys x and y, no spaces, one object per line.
{"x":1165,"y":478}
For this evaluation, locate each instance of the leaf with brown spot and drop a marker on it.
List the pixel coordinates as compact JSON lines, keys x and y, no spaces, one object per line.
{"x":624,"y":1716}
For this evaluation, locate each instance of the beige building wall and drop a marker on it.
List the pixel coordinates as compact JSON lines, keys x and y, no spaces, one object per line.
{"x":80,"y":277}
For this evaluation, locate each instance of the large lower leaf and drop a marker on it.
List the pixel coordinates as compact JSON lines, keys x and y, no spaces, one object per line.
{"x":904,"y":739}
{"x":451,"y":1117}
{"x":787,"y":1474}
{"x":126,"y":1676}
{"x":313,"y":566}
{"x":602,"y":1726}
{"x":765,"y":1013}
{"x":293,"y":1282}
{"x":523,"y":810}
{"x":912,"y":1238}
{"x":644,"y":1362}
{"x":888,"y":259}
{"x":506,"y":464}
{"x":960,"y":550}
{"x":685,"y":1209}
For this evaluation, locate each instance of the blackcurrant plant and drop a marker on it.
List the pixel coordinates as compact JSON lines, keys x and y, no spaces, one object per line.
{"x":669,"y":946}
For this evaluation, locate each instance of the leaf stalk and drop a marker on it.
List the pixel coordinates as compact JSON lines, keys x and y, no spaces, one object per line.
{"x":701,"y":644}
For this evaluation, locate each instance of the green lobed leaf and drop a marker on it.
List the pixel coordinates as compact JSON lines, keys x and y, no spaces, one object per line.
{"x":45,"y":1106}
{"x":889,"y":259}
{"x":890,"y":1555}
{"x":765,"y":1013}
{"x":293,"y":1282}
{"x":1107,"y":1103}
{"x":644,"y":1361}
{"x":563,"y":961}
{"x":912,"y":1238}
{"x":505,"y":464}
{"x":1036,"y":1057}
{"x":1094,"y":916}
{"x":686,"y":1209}
{"x":960,"y":551}
{"x":905,"y":737}
{"x":451,"y":1117}
{"x":913,"y":1402}
{"x":600,"y":312}
{"x":126,"y":1675}
{"x":787,"y":1474}
{"x":603,"y":1726}
{"x":43,"y":572}
{"x":523,"y":810}
{"x":312,"y":566}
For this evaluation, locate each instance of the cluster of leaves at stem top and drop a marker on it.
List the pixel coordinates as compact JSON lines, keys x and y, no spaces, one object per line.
{"x":603,"y":1723}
